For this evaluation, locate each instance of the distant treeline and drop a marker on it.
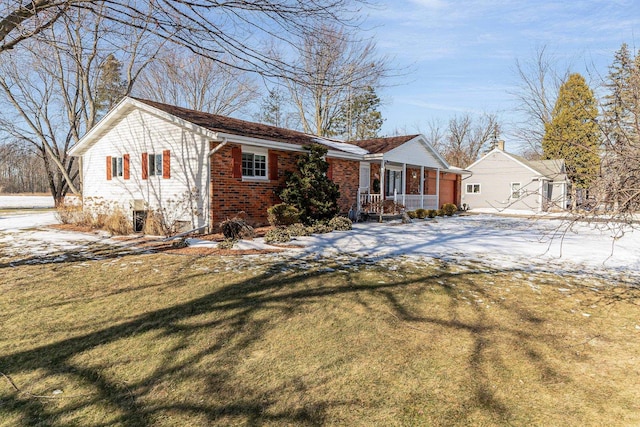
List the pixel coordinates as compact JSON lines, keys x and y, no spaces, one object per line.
{"x":21,"y":170}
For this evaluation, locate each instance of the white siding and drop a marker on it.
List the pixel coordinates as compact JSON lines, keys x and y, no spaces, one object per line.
{"x":413,"y":153}
{"x":139,"y":132}
{"x":495,"y":173}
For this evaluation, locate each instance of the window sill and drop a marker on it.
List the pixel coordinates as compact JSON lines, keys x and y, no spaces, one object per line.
{"x":255,"y":179}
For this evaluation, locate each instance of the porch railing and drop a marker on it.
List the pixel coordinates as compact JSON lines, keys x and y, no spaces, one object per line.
{"x":368,"y":202}
{"x":417,"y":201}
{"x":372,"y":203}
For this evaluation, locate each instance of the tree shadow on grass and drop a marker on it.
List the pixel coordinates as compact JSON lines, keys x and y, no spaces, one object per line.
{"x":237,"y":316}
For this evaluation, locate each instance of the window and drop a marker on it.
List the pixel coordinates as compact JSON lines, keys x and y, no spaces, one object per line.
{"x":515,"y":190}
{"x":473,"y":189}
{"x":155,"y":164}
{"x":393,"y":182}
{"x":117,"y":166}
{"x":254,"y":165}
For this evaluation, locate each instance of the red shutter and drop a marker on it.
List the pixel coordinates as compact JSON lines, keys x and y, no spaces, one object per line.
{"x":236,"y":164}
{"x":330,"y":170}
{"x":166,"y":164}
{"x":145,"y":166}
{"x":125,"y":167}
{"x":109,"y":173}
{"x":273,"y":166}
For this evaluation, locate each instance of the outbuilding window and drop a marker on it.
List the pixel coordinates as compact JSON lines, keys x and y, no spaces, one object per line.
{"x":472,"y":189}
{"x":515,"y":190}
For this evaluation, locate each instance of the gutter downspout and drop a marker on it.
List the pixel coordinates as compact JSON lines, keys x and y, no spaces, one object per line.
{"x":438,"y":188}
{"x":462,"y":189}
{"x":213,"y":151}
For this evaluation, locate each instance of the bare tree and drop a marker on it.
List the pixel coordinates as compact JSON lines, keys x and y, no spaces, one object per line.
{"x":464,"y":138}
{"x":49,"y":92}
{"x":436,"y":134}
{"x":21,"y":169}
{"x":211,"y":28}
{"x":198,"y":83}
{"x":333,"y":66}
{"x":540,"y":80}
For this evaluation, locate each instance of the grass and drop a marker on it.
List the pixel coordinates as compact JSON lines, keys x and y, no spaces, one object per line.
{"x":176,"y":340}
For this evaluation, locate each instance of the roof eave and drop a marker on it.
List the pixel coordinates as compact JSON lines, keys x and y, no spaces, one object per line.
{"x":120,"y":110}
{"x":284,"y":146}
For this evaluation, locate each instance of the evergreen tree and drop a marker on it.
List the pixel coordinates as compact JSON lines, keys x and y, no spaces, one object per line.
{"x":110,"y":87}
{"x":573,"y":133}
{"x":310,"y":190}
{"x":271,"y":110}
{"x":621,"y":128}
{"x":359,"y":118}
{"x":617,"y":108}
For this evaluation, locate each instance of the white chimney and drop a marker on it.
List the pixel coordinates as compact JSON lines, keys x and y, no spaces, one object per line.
{"x":501,"y":145}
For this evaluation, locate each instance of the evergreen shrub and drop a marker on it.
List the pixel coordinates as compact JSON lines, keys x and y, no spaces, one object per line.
{"x":277,"y":235}
{"x":421,"y":213}
{"x":310,"y":190}
{"x":226,"y":244}
{"x":321,"y":228}
{"x":283,"y":214}
{"x":299,"y":229}
{"x":340,"y":223}
{"x":449,"y":209}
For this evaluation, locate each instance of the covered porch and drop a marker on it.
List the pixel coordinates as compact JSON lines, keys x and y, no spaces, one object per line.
{"x":404,"y":173}
{"x":390,"y":187}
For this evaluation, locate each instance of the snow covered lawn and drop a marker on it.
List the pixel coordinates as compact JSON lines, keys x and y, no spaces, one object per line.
{"x":498,"y":242}
{"x":28,"y":235}
{"x":501,"y":242}
{"x":25,"y":202}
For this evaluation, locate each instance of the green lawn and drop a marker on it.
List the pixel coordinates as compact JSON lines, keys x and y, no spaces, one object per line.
{"x":186,"y":340}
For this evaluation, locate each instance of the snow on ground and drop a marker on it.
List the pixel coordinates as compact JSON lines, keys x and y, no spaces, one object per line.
{"x":27,"y":234}
{"x":519,"y":243}
{"x":25,"y":202}
{"x":539,"y":244}
{"x":497,"y":241}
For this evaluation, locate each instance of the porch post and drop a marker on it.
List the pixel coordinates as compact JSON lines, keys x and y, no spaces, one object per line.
{"x":422,"y":187}
{"x":438,"y":188}
{"x":382,"y":174}
{"x":404,"y":184}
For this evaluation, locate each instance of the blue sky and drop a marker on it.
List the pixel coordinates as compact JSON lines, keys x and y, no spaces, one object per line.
{"x":461,"y":54}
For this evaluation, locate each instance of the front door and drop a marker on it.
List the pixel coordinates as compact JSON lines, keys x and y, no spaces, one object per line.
{"x":393,"y":182}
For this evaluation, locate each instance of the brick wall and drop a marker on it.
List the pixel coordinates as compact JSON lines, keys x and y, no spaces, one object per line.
{"x":413,"y":183}
{"x":230,"y":195}
{"x":346,"y":173}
